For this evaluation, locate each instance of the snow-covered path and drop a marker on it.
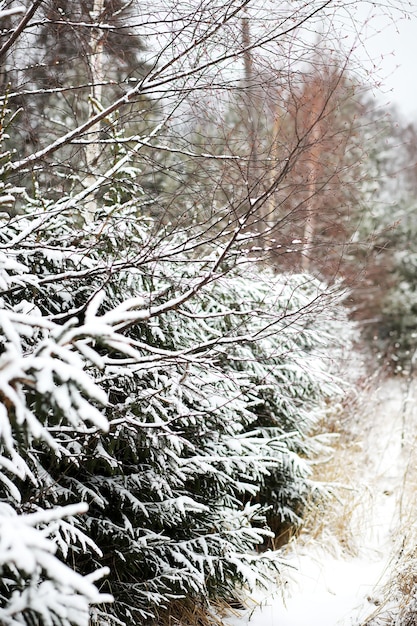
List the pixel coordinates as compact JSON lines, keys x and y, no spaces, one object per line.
{"x":328,"y":588}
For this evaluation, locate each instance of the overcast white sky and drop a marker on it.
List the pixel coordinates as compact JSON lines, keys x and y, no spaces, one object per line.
{"x":394,"y":48}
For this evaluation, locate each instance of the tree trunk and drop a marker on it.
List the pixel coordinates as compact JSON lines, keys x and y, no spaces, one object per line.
{"x":96,"y":72}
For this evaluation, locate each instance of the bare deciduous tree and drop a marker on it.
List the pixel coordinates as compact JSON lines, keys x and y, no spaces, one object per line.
{"x":81,"y":76}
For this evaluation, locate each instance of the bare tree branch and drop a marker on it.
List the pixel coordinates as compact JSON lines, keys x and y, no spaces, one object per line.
{"x":20,"y":28}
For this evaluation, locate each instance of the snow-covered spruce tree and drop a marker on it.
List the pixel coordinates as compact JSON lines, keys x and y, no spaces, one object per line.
{"x":285,"y":361}
{"x":41,"y":383}
{"x":208,"y":382}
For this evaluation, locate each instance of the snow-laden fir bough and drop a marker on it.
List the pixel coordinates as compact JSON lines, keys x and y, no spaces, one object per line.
{"x":175,"y":395}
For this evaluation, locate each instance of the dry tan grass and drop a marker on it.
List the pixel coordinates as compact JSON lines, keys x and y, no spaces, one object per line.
{"x":337,"y":522}
{"x":188,"y":612}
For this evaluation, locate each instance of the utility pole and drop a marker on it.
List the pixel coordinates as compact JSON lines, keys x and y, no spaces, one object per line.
{"x":270,"y":208}
{"x":252,"y":119}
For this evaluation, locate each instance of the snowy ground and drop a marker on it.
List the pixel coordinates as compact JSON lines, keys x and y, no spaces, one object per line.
{"x":330,"y":588}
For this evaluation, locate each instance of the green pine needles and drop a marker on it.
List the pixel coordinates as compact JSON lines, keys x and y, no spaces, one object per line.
{"x":157,"y":409}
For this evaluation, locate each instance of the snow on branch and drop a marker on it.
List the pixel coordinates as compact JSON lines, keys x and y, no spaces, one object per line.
{"x":42,"y":585}
{"x":13,"y":11}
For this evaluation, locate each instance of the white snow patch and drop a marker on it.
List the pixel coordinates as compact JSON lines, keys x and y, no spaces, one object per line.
{"x":327,"y":590}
